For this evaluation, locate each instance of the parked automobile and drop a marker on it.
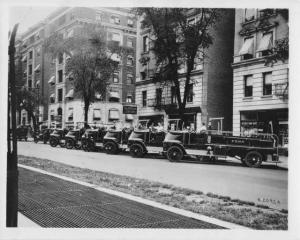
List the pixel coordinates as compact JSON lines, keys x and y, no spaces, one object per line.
{"x":210,"y":145}
{"x":43,"y":135}
{"x":92,"y":139}
{"x":73,"y":138}
{"x":57,"y":137}
{"x":115,"y":140}
{"x":22,"y":132}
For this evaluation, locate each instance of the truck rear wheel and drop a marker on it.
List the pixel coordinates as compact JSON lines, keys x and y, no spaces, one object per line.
{"x":111,"y":148}
{"x":53,"y":142}
{"x":136,"y":150}
{"x":174,"y":154}
{"x":253,"y":159}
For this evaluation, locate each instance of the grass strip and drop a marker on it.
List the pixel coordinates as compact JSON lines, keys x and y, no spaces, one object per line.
{"x":221,"y":207}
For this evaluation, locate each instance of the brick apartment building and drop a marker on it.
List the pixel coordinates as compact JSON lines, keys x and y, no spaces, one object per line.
{"x":260,"y":91}
{"x":61,"y":106}
{"x":210,"y":92}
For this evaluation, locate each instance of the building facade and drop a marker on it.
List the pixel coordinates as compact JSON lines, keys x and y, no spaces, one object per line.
{"x":62,"y":106}
{"x":210,"y":91}
{"x":260,"y":88}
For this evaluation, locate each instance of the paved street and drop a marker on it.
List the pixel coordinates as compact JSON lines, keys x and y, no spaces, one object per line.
{"x":266,"y":185}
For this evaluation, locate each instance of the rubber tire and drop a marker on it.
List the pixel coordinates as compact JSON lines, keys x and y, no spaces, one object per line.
{"x":137,"y":150}
{"x":249,"y":157}
{"x":69,"y":143}
{"x":111,"y":148}
{"x":53,"y":142}
{"x":178,"y":154}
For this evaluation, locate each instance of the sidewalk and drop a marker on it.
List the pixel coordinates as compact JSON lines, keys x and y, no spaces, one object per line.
{"x":54,"y":202}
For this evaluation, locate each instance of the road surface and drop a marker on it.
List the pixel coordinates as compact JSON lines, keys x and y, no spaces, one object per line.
{"x":268,"y":186}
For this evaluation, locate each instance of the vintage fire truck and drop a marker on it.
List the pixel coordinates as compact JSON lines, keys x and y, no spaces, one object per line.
{"x":252,"y":150}
{"x":115,"y":140}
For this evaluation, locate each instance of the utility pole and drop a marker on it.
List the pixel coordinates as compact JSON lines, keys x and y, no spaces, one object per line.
{"x":12,"y":157}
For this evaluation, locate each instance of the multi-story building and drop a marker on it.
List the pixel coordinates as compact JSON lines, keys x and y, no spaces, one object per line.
{"x":210,"y":92}
{"x":62,"y":106}
{"x":260,"y":89}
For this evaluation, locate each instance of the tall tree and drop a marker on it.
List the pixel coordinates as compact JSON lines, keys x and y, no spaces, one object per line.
{"x":178,"y":41}
{"x":93,"y":61}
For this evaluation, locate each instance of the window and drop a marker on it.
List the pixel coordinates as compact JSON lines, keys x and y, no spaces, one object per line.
{"x":52,"y":98}
{"x":173,"y":95}
{"x":59,"y":94}
{"x":60,"y":58}
{"x":129,"y":60}
{"x":144,"y":98}
{"x":116,"y":37}
{"x":158,"y":96}
{"x":249,"y":14}
{"x":266,"y":44}
{"x":145,"y":44}
{"x":114,"y":114}
{"x":129,"y":78}
{"x":60,"y":76}
{"x":97,"y":115}
{"x":52,"y":117}
{"x":98,"y":17}
{"x":143,"y":72}
{"x":248,"y":86}
{"x":30,"y":69}
{"x":267,"y":83}
{"x":38,"y":51}
{"x":129,"y":22}
{"x":191,"y":21}
{"x":30,"y":55}
{"x":70,"y":115}
{"x":129,"y":99}
{"x":29,"y":83}
{"x":129,"y":42}
{"x":31,"y":39}
{"x":190,"y":93}
{"x":247,"y":48}
{"x":116,"y":77}
{"x":114,"y":20}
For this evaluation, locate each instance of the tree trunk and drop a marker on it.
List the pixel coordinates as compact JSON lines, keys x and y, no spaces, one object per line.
{"x":86,"y":111}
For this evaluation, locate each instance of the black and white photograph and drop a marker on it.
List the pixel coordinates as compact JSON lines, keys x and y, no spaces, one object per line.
{"x":131,"y":120}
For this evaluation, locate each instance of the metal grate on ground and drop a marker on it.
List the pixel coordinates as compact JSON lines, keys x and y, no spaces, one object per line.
{"x":53,"y":202}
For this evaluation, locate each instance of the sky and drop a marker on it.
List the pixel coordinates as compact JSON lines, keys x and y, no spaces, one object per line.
{"x":28,"y":16}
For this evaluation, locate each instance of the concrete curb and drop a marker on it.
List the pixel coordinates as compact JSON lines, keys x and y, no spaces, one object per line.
{"x":145,"y":201}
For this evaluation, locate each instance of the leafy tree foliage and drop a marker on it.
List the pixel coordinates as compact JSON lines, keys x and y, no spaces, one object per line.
{"x":93,"y":61}
{"x":176,"y":41}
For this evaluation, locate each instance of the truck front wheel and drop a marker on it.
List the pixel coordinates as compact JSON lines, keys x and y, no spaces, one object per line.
{"x":174,"y":154}
{"x":253,"y":159}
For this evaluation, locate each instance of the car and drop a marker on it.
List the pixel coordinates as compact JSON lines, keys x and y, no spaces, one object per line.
{"x":22,"y":132}
{"x":73,"y":138}
{"x":145,"y":141}
{"x":57,"y":137}
{"x":115,"y":140}
{"x":43,"y":136}
{"x":92,"y":139}
{"x":210,"y":145}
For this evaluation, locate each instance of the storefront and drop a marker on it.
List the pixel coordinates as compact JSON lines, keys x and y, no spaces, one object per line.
{"x":266,"y":121}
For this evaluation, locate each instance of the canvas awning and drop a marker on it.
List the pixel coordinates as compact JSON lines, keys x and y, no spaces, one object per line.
{"x":116,"y":37}
{"x":37,"y":82}
{"x":70,"y":94}
{"x":143,"y":68}
{"x":37,"y":68}
{"x":52,"y":95}
{"x":97,"y":113}
{"x":247,"y":47}
{"x":70,"y":76}
{"x":52,"y":80}
{"x":24,"y":58}
{"x":265,"y":43}
{"x":97,"y":95}
{"x":129,"y":117}
{"x":114,"y":95}
{"x":114,"y":114}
